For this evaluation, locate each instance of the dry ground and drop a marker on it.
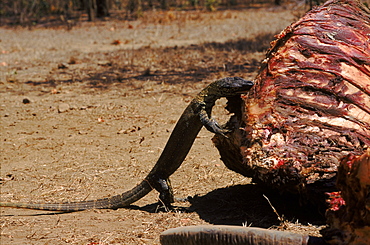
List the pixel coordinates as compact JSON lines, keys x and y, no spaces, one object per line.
{"x":86,"y":113}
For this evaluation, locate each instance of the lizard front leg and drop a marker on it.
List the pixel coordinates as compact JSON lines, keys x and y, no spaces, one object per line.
{"x":210,"y":123}
{"x":204,"y":102}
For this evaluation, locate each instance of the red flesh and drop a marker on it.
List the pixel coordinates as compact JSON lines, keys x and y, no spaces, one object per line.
{"x":349,"y":223}
{"x":310,"y":105}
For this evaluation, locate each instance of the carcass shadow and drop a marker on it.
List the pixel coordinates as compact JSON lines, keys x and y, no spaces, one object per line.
{"x":249,"y":205}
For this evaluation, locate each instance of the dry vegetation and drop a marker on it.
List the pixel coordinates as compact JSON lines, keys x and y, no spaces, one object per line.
{"x":104,"y":98}
{"x":70,"y":12}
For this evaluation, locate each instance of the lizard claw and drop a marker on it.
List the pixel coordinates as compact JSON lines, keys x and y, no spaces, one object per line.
{"x":212,"y":126}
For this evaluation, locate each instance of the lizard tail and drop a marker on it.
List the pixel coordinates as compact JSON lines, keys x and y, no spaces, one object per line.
{"x":113,"y":202}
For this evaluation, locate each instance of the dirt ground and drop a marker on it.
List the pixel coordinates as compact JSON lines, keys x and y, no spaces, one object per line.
{"x":86,"y":112}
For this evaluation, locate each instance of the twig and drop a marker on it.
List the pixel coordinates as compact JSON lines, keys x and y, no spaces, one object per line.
{"x":279,"y":217}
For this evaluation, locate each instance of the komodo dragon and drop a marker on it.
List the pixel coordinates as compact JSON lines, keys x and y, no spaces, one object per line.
{"x":196,"y":115}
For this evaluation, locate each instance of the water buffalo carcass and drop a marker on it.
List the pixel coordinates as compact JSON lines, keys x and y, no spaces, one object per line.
{"x":310,"y":105}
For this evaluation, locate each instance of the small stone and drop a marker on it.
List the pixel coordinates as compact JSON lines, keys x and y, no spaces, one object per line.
{"x":105,"y":63}
{"x":63,"y":66}
{"x":63,"y":107}
{"x":26,"y":101}
{"x":122,"y":131}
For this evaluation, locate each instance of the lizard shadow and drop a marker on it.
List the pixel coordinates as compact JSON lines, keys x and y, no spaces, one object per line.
{"x":246,"y":204}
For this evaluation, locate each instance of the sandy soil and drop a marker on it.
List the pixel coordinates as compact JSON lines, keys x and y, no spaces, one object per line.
{"x":85,"y":114}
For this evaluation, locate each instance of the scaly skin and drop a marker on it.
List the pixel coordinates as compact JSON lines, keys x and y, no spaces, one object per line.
{"x":196,"y":115}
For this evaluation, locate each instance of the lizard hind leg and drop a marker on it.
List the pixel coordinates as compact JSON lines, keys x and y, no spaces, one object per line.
{"x":166,"y":197}
{"x":166,"y":192}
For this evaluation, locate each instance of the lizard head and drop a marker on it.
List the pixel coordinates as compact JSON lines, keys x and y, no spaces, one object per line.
{"x":233,"y":85}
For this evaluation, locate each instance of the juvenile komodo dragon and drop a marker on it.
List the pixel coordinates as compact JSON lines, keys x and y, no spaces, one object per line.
{"x":196,"y":115}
